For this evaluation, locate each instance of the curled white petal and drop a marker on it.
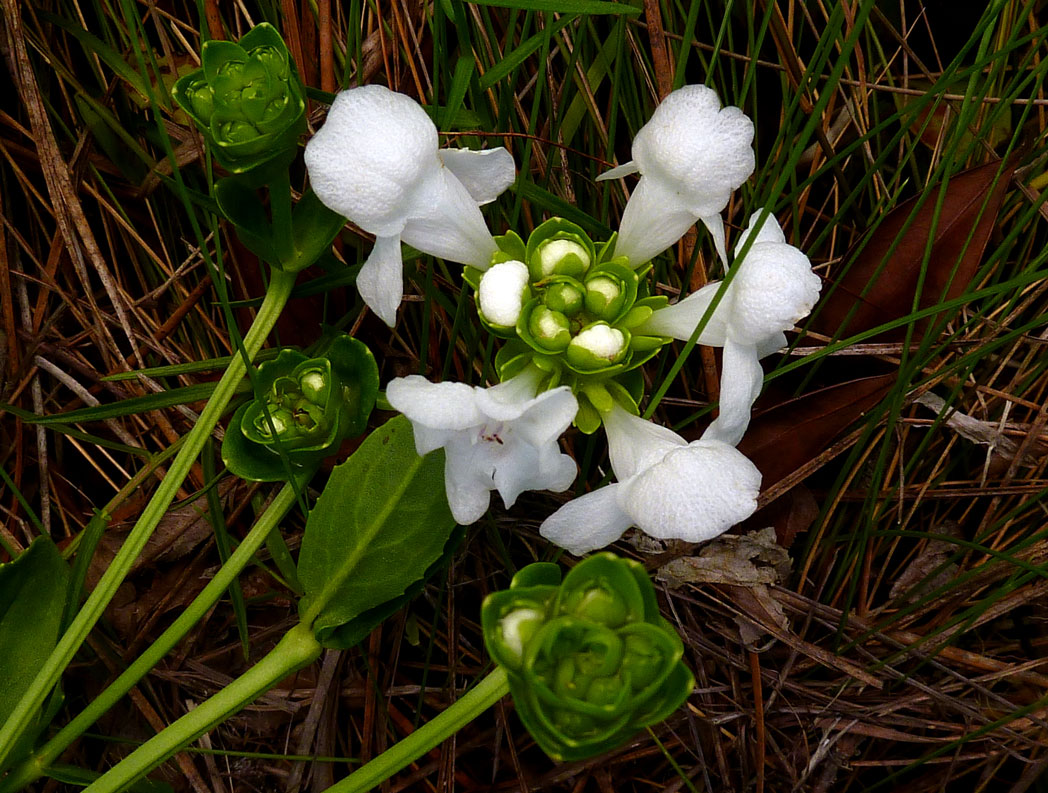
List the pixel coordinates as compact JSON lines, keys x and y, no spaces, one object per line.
{"x":740,"y":385}
{"x":635,"y":443}
{"x":619,"y":171}
{"x":485,"y":174}
{"x":691,"y":155}
{"x":679,"y":320}
{"x":772,"y":290}
{"x":445,"y":221}
{"x":588,"y":522}
{"x":603,"y":341}
{"x":381,"y":279}
{"x":652,"y":221}
{"x":694,"y":493}
{"x":501,"y":292}
{"x":376,"y":161}
{"x":500,"y":438}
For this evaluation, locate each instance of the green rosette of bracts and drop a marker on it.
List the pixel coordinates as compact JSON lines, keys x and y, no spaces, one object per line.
{"x":305,"y":407}
{"x":247,"y":99}
{"x":590,"y":661}
{"x":574,"y":317}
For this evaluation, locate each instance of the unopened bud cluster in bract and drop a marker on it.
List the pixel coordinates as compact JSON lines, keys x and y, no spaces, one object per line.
{"x":589,"y":660}
{"x":247,"y":99}
{"x":305,"y":408}
{"x":571,"y":307}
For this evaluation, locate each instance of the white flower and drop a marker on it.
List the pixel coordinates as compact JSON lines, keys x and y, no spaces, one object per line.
{"x":376,"y":161}
{"x":669,"y":488}
{"x":690,"y":155}
{"x":500,"y":438}
{"x":501,"y":293}
{"x":773,"y":287}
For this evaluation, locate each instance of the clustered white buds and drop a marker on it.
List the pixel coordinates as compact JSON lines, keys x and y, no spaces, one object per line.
{"x":376,"y":160}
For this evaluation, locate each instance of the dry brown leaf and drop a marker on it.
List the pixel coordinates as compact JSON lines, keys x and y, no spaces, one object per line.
{"x":914,"y":580}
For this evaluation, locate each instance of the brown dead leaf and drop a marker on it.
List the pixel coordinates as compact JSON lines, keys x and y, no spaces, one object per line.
{"x":746,"y":560}
{"x":180,"y":531}
{"x":782,"y":439}
{"x":917,"y":578}
{"x":885,"y":270}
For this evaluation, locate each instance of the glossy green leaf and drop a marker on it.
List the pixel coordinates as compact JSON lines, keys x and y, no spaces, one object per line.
{"x":314,"y":228}
{"x":243,"y":208}
{"x":33,"y":591}
{"x":381,"y":522}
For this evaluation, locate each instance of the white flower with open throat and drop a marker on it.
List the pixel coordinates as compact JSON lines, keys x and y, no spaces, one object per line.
{"x":500,"y":438}
{"x":667,"y":487}
{"x":772,"y":289}
{"x":376,"y":161}
{"x":691,"y":155}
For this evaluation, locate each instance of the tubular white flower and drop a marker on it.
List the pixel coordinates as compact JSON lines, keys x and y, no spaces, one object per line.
{"x":501,"y":292}
{"x":772,"y":289}
{"x":500,"y":438}
{"x":667,"y":487}
{"x":690,"y":155}
{"x":376,"y":161}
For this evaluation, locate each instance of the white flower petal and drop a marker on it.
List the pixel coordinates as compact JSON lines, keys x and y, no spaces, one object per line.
{"x":366,"y":159}
{"x":771,"y":344}
{"x":773,"y":288}
{"x":619,"y":171}
{"x":741,"y":382}
{"x":769,"y":231}
{"x":694,"y":494}
{"x":540,"y":468}
{"x":442,"y":406}
{"x":715,"y":226}
{"x":468,"y":482}
{"x":381,"y":279}
{"x":588,"y":522}
{"x":680,"y":320}
{"x":485,"y":174}
{"x":696,"y":149}
{"x":444,"y":221}
{"x":635,"y":443}
{"x":655,"y":217}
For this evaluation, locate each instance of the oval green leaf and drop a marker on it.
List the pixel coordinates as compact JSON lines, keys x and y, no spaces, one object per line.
{"x":380,"y":524}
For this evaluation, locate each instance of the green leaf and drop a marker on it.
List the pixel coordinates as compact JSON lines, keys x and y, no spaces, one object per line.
{"x":512,"y":60}
{"x":380,"y":523}
{"x":457,"y":92}
{"x":314,"y":228}
{"x":357,"y":629}
{"x":243,"y":208}
{"x":94,"y":45}
{"x":33,"y":591}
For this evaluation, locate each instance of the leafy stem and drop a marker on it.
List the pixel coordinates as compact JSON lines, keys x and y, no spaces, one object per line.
{"x":32,"y":768}
{"x":297,"y":649}
{"x":21,"y":717}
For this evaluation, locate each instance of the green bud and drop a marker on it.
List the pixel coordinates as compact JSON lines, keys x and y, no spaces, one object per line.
{"x":595,"y":664}
{"x":604,"y":297}
{"x":562,"y":257}
{"x":597,"y":347}
{"x":550,"y":329}
{"x":564,"y":298}
{"x":313,"y":404}
{"x":247,"y":100}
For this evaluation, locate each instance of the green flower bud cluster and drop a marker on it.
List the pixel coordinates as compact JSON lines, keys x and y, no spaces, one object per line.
{"x":305,"y":408}
{"x":590,"y":661}
{"x":247,"y":99}
{"x":575,"y":318}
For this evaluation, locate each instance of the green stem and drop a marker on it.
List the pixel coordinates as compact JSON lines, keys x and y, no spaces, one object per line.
{"x":478,"y":699}
{"x":34,"y":766}
{"x":280,"y":208}
{"x":25,"y":711}
{"x":297,"y":649}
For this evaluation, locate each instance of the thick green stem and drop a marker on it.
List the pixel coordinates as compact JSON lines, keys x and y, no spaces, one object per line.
{"x":478,"y":699}
{"x":35,"y":766}
{"x":297,"y":649}
{"x":24,"y":712}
